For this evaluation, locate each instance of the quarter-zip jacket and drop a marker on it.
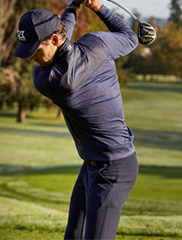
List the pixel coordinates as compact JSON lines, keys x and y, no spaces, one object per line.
{"x":83,"y":82}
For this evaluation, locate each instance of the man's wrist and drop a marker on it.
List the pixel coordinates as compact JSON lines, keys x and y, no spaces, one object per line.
{"x":97,"y":8}
{"x":94,"y":6}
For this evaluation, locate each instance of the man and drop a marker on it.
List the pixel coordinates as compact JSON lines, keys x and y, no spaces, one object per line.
{"x":81,"y":79}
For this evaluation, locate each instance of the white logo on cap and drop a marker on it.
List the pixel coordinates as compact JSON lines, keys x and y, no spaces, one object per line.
{"x":21,"y":35}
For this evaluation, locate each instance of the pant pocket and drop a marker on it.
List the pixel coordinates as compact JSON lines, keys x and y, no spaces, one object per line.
{"x":109,"y":174}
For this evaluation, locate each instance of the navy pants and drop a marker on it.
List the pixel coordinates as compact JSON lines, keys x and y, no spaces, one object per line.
{"x":98,"y":197}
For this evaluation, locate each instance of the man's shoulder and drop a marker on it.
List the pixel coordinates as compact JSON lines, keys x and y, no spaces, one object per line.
{"x":40,"y":72}
{"x":37,"y":72}
{"x":40,"y":77}
{"x":92,"y":41}
{"x":37,"y":76}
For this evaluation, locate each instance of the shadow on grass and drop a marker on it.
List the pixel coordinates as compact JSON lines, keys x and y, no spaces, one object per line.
{"x":17,"y":170}
{"x":13,"y":170}
{"x":165,"y":171}
{"x":9,"y":114}
{"x":170,"y":140}
{"x":23,"y":195}
{"x":158,"y":139}
{"x":65,"y":134}
{"x":156,"y":87}
{"x":52,"y":125}
{"x":14,"y":115}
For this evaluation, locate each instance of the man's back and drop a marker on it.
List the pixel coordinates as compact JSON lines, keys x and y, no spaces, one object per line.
{"x":90,"y":100}
{"x":83,"y":82}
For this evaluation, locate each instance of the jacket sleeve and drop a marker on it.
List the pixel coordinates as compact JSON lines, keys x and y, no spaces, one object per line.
{"x":69,"y":19}
{"x":121,"y":39}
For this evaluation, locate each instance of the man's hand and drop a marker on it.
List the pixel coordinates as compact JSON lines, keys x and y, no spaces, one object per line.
{"x":94,"y":5}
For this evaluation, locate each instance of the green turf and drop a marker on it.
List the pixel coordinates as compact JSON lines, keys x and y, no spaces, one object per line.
{"x":39,"y":164}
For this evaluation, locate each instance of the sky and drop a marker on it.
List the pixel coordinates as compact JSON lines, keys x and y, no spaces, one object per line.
{"x":147,"y":8}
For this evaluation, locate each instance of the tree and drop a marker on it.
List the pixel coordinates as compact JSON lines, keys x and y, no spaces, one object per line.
{"x":11,"y":69}
{"x":10,"y":12}
{"x":163,"y":57}
{"x":176,"y":12}
{"x":167,"y":54}
{"x":6,"y":37}
{"x":8,"y":84}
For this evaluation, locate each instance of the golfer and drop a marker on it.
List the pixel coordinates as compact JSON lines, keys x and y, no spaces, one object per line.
{"x":81,"y":79}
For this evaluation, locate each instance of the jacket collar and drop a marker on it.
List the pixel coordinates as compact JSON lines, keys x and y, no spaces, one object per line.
{"x":65,"y":48}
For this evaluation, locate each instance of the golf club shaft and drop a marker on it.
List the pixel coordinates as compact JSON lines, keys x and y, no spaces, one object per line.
{"x":130,"y":13}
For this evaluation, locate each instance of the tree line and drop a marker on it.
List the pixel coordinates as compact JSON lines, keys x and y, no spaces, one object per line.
{"x":164,"y":57}
{"x":16,"y":88}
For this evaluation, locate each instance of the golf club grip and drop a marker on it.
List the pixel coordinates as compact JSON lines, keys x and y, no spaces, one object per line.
{"x":130,"y":13}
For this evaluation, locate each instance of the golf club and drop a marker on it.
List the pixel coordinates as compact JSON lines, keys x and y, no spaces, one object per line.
{"x":146,"y":33}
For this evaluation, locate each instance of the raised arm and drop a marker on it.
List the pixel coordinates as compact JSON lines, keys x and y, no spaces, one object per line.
{"x":121,"y":39}
{"x":69,"y":17}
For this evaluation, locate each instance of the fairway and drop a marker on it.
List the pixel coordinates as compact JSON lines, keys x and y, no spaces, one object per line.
{"x":39,"y":165}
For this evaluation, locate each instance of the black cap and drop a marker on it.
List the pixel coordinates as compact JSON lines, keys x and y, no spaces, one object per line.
{"x":34,"y":27}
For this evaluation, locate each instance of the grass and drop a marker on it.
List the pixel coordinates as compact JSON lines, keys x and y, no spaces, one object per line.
{"x":39,"y":165}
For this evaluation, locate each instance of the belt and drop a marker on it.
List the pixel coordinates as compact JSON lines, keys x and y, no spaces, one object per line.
{"x":92,"y":163}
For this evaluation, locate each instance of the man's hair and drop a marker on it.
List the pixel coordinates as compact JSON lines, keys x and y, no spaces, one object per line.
{"x":61,"y":31}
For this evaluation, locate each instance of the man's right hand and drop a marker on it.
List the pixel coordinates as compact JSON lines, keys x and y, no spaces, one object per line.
{"x":94,"y":5}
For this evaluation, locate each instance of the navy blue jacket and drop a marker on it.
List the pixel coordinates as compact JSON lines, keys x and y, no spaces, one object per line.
{"x":83,"y":82}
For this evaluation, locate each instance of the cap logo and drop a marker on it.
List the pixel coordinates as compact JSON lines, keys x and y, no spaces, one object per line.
{"x":21,"y":35}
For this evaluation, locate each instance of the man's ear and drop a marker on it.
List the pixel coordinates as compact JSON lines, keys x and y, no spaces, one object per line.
{"x":55,"y":40}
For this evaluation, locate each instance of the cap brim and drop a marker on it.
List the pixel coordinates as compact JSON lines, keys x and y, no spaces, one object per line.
{"x":26,"y":50}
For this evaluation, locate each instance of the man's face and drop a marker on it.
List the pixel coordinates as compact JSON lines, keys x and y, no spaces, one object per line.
{"x":45,"y":53}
